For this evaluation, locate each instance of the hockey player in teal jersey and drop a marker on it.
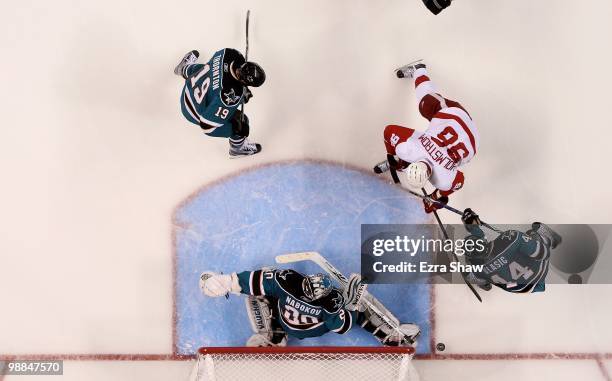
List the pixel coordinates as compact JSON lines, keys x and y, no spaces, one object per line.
{"x":215,"y":91}
{"x":285,"y":303}
{"x":514,"y":261}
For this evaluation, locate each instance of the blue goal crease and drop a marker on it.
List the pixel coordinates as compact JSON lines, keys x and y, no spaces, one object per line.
{"x":243,"y":222}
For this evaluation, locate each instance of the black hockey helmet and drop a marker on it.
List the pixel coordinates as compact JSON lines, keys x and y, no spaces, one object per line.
{"x":316,"y":286}
{"x":251,"y":74}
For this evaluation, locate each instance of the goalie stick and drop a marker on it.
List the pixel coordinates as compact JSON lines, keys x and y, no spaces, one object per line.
{"x":370,"y":301}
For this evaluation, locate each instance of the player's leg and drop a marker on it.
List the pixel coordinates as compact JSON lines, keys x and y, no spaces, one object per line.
{"x":428,"y":98}
{"x":264,"y":322}
{"x":239,"y":144}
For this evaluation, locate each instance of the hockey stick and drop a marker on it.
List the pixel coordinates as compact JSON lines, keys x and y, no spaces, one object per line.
{"x":455,"y":258}
{"x":246,"y":50}
{"x":370,"y":301}
{"x":246,"y":58}
{"x":396,"y":180}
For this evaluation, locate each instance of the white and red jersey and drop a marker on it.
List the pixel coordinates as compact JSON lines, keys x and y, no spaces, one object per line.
{"x":450,"y":141}
{"x":454,"y":132}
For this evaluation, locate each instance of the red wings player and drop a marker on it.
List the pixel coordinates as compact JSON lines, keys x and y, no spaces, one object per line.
{"x":449,"y":143}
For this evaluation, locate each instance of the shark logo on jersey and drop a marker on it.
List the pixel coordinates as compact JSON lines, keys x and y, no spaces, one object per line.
{"x":283,"y":274}
{"x":230,"y":97}
{"x":338,"y":302}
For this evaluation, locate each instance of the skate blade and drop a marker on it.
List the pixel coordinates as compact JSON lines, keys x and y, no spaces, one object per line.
{"x":399,"y":69}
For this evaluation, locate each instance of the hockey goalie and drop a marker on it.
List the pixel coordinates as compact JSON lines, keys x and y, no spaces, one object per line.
{"x":436,"y":155}
{"x":282,"y":303}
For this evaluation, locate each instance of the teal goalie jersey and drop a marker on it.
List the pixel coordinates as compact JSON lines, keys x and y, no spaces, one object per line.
{"x":298,"y":316}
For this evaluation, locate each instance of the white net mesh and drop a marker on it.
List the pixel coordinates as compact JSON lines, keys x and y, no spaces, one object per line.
{"x":288,"y":364}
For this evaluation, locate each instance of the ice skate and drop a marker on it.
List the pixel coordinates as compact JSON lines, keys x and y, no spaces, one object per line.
{"x":245,"y":149}
{"x":407,"y":71}
{"x":381,"y":167}
{"x":188,"y":59}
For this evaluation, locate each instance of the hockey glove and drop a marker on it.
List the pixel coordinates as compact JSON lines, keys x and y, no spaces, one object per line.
{"x":437,"y":6}
{"x":470,"y":217}
{"x":433,"y":206}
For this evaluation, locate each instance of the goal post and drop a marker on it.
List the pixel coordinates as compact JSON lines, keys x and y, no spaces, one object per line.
{"x":304,"y":363}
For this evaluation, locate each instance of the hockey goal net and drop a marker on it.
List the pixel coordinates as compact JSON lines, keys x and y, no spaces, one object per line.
{"x":305,"y":363}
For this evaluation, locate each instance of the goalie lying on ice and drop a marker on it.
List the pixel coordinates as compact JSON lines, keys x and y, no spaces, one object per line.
{"x":285,"y":303}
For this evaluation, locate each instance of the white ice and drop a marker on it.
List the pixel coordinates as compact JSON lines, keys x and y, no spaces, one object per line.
{"x":95,"y":156}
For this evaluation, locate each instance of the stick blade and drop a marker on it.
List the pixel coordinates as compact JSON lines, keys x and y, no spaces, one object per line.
{"x":296,"y":257}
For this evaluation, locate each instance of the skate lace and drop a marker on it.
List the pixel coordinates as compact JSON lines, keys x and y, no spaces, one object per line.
{"x":248,"y":146}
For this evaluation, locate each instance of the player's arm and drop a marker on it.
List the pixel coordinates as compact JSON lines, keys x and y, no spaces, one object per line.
{"x":441,"y":194}
{"x":233,"y":57}
{"x":472,"y":223}
{"x":533,"y":247}
{"x":538,"y":241}
{"x":341,"y":321}
{"x":258,"y":283}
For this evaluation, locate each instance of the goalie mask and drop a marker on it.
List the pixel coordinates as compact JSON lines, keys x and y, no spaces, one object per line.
{"x":316,"y":286}
{"x":251,"y":74}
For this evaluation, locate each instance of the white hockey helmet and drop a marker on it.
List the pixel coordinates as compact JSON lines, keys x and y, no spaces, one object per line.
{"x":417,"y":174}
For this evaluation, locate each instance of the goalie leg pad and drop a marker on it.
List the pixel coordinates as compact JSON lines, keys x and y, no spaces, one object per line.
{"x":268,"y":331}
{"x":386,"y":334}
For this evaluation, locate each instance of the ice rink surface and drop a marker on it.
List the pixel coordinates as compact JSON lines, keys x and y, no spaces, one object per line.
{"x":96,"y":160}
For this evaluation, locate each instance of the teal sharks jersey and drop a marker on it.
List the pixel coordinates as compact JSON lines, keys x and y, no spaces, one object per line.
{"x":515,"y":262}
{"x":299,"y":317}
{"x":211,"y":95}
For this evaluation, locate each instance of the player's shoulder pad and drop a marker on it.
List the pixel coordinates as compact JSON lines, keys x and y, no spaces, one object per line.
{"x":510,"y":235}
{"x":233,"y":54}
{"x":333,"y":302}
